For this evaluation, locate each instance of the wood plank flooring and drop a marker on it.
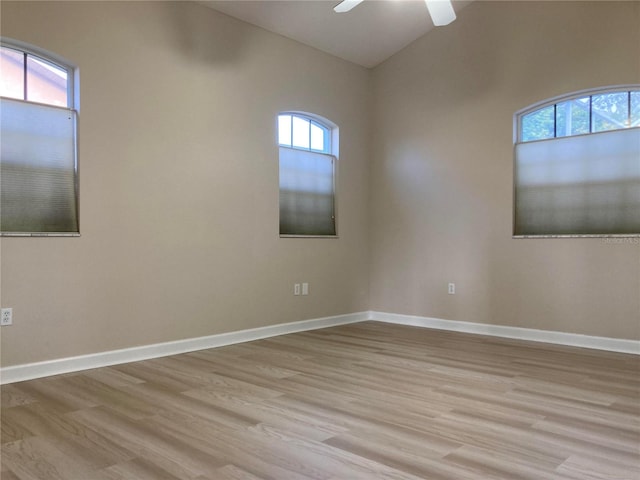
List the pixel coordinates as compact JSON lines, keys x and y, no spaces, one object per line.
{"x":357,"y":402}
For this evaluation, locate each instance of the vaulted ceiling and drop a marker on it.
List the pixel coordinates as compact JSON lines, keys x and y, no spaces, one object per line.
{"x":367,"y":35}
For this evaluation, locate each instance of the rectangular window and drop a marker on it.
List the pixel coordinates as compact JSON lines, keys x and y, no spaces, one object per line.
{"x":307,"y":193}
{"x":38,"y":169}
{"x":581,"y":185}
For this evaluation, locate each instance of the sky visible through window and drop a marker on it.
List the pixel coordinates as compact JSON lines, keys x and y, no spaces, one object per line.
{"x":300,"y":132}
{"x":45,"y":82}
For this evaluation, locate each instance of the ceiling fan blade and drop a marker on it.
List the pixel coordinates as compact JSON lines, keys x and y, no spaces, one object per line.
{"x":346,"y":5}
{"x":441,"y":12}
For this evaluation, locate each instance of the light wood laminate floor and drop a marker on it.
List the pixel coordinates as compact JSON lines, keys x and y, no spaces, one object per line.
{"x":364,"y":401}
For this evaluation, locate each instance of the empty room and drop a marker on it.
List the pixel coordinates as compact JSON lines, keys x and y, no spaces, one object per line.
{"x":316,"y":240}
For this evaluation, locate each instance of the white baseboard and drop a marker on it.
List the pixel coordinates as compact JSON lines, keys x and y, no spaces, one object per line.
{"x":518,"y":333}
{"x":29,"y":371}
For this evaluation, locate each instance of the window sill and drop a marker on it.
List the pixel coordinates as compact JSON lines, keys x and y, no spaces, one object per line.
{"x":12,"y":234}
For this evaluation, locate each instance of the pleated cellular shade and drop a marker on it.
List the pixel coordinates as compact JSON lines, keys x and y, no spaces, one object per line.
{"x":38,"y":169}
{"x":307,"y":193}
{"x":579,"y":185}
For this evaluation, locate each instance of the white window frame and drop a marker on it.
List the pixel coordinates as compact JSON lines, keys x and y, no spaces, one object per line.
{"x":519,"y":115}
{"x":73,"y":104}
{"x":312,"y":120}
{"x":73,"y":100}
{"x":331,"y":147}
{"x":517,"y":139}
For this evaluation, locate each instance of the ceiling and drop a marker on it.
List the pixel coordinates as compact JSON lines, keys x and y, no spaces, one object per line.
{"x":367,"y":35}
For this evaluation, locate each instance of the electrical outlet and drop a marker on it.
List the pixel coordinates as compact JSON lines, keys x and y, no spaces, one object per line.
{"x":452,"y":289}
{"x":7,"y":317}
{"x":296,"y":289}
{"x":305,"y":289}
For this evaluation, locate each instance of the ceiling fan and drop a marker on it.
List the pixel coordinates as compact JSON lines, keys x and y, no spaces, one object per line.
{"x":441,"y":11}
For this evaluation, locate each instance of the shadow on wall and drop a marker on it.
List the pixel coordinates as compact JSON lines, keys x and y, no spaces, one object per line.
{"x":485,"y":50}
{"x":455,"y":65}
{"x":206,"y":36}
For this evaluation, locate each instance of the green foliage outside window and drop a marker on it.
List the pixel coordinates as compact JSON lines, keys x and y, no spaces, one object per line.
{"x":578,"y":116}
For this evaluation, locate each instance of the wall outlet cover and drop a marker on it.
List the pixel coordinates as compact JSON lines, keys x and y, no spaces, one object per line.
{"x":6,"y":317}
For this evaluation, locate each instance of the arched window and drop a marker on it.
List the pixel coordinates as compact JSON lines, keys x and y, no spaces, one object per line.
{"x":579,"y":114}
{"x":577,"y":165}
{"x":38,"y":160}
{"x":298,"y":131}
{"x":35,"y":78}
{"x":308,"y":160}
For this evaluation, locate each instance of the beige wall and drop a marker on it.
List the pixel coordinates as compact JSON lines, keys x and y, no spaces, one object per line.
{"x":179,"y":196}
{"x":442,"y":172}
{"x":179,"y":183}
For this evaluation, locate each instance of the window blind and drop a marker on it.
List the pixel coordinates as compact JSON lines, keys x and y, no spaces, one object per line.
{"x":580,"y":185}
{"x":307,"y":193}
{"x":38,"y":169}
